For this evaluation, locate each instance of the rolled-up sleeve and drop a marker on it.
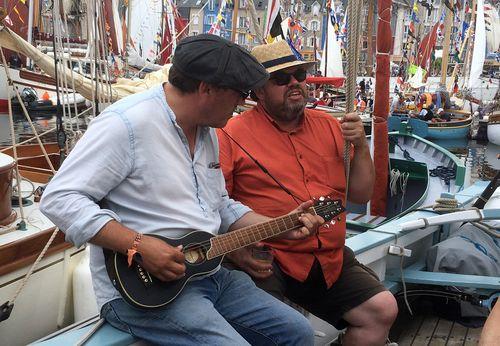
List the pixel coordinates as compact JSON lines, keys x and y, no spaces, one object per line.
{"x":102,"y":158}
{"x":230,"y":211}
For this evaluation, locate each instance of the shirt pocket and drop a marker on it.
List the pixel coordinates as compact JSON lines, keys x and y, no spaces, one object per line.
{"x":214,"y":187}
{"x":333,"y":173}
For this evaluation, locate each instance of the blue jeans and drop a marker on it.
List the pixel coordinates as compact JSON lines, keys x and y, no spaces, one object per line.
{"x":223,"y":309}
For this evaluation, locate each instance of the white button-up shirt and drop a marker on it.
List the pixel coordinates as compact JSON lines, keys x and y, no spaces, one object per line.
{"x":135,"y":158}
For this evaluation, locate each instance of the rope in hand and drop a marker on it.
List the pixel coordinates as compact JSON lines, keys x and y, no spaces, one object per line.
{"x":354,"y":8}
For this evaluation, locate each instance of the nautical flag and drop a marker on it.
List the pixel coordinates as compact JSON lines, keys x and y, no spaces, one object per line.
{"x":215,"y":29}
{"x":276,"y":29}
{"x":426,"y":47}
{"x":18,"y":14}
{"x":294,"y":50}
{"x":273,"y":10}
{"x":8,"y":20}
{"x":414,"y":18}
{"x":412,"y":29}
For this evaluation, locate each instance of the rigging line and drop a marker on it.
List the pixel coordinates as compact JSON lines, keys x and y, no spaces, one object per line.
{"x":263,"y":169}
{"x":72,"y":74}
{"x":176,"y":36}
{"x":354,"y":8}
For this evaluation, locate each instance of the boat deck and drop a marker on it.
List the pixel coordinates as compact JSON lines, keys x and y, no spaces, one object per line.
{"x":365,"y":218}
{"x":431,"y":330}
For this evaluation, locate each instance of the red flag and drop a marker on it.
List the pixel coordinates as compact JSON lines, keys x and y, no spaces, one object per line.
{"x":426,"y":47}
{"x":180,"y":24}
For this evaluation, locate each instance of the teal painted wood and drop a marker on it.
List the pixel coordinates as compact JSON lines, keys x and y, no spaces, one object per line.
{"x":444,"y":279}
{"x":447,"y":133}
{"x":391,"y":230}
{"x":106,"y":335}
{"x":460,"y":167}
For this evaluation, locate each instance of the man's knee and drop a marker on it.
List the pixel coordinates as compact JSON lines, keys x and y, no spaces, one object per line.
{"x":303,"y":333}
{"x":377,"y":312}
{"x":385,"y":308}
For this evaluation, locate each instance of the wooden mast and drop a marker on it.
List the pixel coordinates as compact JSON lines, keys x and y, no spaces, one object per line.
{"x":236,"y":4}
{"x":256,"y":28}
{"x":468,"y":58}
{"x":369,"y":34}
{"x":455,"y":68}
{"x":448,"y":23}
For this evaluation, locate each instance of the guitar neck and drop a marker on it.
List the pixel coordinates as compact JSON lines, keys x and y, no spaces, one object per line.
{"x":242,"y":237}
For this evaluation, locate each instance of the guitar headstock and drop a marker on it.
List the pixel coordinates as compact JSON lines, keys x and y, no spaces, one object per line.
{"x":328,"y":208}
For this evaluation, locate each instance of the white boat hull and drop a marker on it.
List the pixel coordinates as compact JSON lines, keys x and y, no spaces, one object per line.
{"x":494,"y":133}
{"x":44,"y":305}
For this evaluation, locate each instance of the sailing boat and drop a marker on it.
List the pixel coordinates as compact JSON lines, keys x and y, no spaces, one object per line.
{"x":331,"y":66}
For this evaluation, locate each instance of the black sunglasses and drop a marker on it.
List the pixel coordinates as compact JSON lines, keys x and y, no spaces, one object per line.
{"x":283,"y":78}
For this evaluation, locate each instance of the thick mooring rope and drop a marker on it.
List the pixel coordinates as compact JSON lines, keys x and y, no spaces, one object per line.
{"x":354,"y":10}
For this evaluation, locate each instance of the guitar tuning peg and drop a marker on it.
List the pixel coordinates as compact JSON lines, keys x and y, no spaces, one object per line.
{"x":327,"y":225}
{"x":332,"y":222}
{"x":322,"y":198}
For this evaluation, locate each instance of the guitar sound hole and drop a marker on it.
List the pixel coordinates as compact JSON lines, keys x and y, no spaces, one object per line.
{"x":195,"y":254}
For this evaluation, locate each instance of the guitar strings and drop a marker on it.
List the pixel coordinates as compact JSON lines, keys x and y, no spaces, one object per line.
{"x":208,"y":242}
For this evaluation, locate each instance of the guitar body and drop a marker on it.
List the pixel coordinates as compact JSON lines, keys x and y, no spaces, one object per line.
{"x":203,"y":254}
{"x":142,"y":290}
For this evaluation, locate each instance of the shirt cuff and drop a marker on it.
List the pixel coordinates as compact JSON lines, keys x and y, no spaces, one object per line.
{"x":82,"y":231}
{"x":231,"y":213}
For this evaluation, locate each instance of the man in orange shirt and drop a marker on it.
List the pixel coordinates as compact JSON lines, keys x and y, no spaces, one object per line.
{"x":296,"y":154}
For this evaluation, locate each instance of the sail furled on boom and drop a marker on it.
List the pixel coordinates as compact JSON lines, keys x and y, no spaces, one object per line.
{"x":479,"y":53}
{"x":83,"y":85}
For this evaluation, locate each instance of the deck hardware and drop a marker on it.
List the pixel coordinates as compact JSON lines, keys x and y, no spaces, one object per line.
{"x":399,"y":250}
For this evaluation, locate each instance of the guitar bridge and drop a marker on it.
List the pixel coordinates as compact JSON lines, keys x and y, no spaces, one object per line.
{"x":143,"y":275}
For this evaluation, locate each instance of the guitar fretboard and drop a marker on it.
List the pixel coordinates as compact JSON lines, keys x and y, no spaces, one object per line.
{"x":242,"y":237}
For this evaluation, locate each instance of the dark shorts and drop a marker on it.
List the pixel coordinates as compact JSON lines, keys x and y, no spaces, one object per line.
{"x":355,"y":285}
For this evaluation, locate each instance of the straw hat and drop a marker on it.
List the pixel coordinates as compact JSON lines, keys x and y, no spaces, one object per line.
{"x":277,"y":56}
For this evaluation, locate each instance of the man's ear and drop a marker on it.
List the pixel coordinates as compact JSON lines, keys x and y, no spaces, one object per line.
{"x":259,"y":92}
{"x":205,"y":88}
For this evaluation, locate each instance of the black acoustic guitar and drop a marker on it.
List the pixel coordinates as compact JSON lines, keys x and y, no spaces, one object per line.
{"x":203,"y":254}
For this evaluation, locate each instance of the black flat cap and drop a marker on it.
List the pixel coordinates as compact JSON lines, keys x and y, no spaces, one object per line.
{"x":215,"y":60}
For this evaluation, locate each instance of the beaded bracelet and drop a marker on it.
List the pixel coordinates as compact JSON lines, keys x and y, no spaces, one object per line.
{"x":133,"y":250}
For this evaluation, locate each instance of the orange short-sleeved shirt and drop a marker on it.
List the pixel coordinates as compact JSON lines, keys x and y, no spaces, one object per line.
{"x":307,"y":161}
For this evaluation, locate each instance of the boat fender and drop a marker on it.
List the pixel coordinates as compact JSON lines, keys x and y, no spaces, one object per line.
{"x":5,"y":310}
{"x":29,"y":95}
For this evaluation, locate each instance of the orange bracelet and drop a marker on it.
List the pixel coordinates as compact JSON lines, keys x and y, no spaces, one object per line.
{"x":133,"y":250}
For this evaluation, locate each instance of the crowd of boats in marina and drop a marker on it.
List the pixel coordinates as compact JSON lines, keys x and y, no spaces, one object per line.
{"x":45,"y":287}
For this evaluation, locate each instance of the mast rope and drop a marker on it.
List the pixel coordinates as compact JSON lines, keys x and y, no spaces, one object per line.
{"x":354,"y":8}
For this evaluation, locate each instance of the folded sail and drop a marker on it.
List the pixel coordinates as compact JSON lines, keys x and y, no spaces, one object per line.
{"x":83,"y":85}
{"x":479,"y":52}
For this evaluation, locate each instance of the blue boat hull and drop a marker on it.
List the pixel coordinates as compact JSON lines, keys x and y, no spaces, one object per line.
{"x":452,"y":132}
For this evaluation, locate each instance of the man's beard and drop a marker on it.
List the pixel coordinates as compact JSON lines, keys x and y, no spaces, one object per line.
{"x":296,"y":108}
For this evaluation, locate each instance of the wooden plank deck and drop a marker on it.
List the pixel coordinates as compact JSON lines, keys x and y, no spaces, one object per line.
{"x":370,"y":219}
{"x":434,"y":331}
